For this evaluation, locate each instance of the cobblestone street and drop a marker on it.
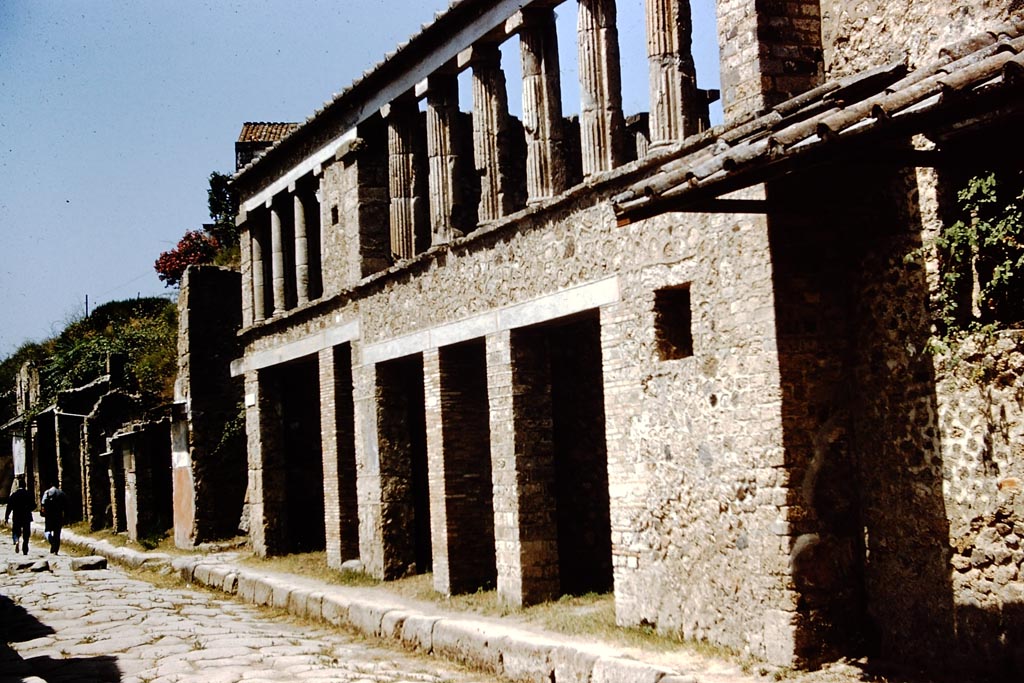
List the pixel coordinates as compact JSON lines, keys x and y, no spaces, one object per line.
{"x":102,"y":625}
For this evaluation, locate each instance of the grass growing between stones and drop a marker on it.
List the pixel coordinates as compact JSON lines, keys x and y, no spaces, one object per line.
{"x":312,"y":565}
{"x":590,"y":616}
{"x":162,"y":543}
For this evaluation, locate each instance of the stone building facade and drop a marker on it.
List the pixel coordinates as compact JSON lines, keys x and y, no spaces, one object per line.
{"x":691,"y":370}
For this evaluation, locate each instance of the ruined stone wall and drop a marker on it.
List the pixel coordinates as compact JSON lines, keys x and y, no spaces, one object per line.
{"x":860,"y":34}
{"x":209,"y":461}
{"x":911,"y":459}
{"x":981,"y":419}
{"x":694,"y":444}
{"x":339,"y":233}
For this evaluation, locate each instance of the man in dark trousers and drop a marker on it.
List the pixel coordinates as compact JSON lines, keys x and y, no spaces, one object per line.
{"x":20,"y":507}
{"x":53,"y":506}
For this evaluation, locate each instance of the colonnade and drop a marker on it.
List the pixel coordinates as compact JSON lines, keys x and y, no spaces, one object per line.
{"x":448,"y":172}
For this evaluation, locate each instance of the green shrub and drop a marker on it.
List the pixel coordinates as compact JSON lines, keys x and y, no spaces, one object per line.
{"x":981,"y":255}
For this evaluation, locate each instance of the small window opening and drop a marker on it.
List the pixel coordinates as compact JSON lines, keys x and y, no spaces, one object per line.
{"x":334,"y":215}
{"x":672,"y":322}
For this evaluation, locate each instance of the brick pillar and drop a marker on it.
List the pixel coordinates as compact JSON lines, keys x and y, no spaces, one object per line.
{"x":277,"y":257}
{"x":522,"y":462}
{"x":491,"y":150}
{"x":301,"y":247}
{"x":254,"y":451}
{"x":771,"y":51}
{"x":405,"y":180}
{"x":259,"y":274}
{"x":368,"y":480}
{"x":446,"y":201}
{"x":336,"y":420}
{"x":436,"y":470}
{"x":542,"y":106}
{"x":458,"y":455}
{"x":268,"y":515}
{"x":676,"y":110}
{"x":602,"y":126}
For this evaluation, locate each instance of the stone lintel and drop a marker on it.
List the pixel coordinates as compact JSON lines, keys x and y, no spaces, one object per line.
{"x":306,"y":346}
{"x":542,"y":309}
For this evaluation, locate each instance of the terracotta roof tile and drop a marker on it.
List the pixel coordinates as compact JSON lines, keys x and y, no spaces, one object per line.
{"x":265,"y":132}
{"x":884,"y":100}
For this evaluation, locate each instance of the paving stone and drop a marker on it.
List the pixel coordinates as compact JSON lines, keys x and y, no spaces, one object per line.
{"x":127,"y":630}
{"x":88,"y":563}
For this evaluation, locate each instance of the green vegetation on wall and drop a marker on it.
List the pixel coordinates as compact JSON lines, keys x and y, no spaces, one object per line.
{"x":981,"y":257}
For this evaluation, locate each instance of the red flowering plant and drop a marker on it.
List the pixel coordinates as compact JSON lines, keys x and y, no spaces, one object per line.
{"x":195,"y":247}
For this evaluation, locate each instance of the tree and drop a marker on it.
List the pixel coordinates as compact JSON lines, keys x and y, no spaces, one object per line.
{"x":194,"y":248}
{"x":216,"y":243}
{"x":223,"y":204}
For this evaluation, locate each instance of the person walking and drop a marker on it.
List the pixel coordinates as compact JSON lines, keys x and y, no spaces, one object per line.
{"x":53,"y":506}
{"x":20,"y":507}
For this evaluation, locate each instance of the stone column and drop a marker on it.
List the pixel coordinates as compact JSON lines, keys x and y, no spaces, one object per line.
{"x":675,"y":107}
{"x":491,"y":150}
{"x":602,"y":126}
{"x":522,"y":468}
{"x":542,"y":106}
{"x":259,"y":306}
{"x":403,"y":119}
{"x":444,"y":162}
{"x":245,"y":267}
{"x":301,"y":248}
{"x":277,"y":257}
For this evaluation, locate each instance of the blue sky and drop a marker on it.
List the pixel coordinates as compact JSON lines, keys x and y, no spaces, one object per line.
{"x":113,"y":113}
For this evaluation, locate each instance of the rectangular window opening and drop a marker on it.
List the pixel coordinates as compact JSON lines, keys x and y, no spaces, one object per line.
{"x":673,"y":322}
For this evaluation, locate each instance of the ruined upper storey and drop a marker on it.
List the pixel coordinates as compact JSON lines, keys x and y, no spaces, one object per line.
{"x":391,"y":167}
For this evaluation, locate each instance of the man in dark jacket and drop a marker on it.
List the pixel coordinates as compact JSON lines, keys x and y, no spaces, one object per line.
{"x":53,"y":506}
{"x":20,"y":507}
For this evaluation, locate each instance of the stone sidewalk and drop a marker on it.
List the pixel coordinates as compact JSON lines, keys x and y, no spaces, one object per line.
{"x":518,"y":652}
{"x":63,"y":623}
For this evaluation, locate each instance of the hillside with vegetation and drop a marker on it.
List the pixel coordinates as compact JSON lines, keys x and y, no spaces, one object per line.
{"x":143,"y":332}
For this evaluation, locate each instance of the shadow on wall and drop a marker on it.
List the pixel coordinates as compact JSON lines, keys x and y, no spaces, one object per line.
{"x":18,"y":626}
{"x":870,"y":551}
{"x":886,"y":564}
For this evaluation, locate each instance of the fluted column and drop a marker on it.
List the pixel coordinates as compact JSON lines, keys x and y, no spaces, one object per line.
{"x":257,"y":240}
{"x":542,"y":105}
{"x":301,"y":249}
{"x":676,"y":110}
{"x":602,"y":125}
{"x":402,"y":181}
{"x":444,"y":162}
{"x":491,"y":151}
{"x":277,"y":257}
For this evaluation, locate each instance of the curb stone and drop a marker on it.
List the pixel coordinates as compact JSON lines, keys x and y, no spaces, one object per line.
{"x":506,"y":651}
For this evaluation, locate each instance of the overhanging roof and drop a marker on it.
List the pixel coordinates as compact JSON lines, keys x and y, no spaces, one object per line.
{"x":975,"y":80}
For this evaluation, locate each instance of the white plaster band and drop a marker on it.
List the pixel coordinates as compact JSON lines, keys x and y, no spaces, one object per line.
{"x":306,"y":346}
{"x":542,"y":309}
